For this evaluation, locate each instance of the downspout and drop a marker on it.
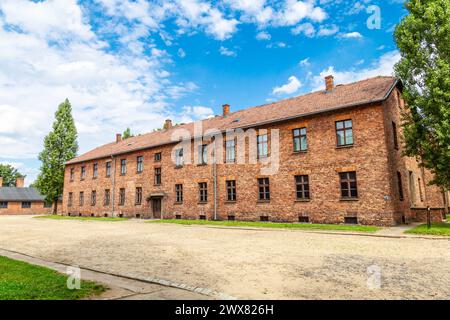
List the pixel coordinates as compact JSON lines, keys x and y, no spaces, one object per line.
{"x":215,"y":180}
{"x":114,"y":188}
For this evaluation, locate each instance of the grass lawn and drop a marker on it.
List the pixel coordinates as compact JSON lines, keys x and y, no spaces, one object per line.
{"x":437,"y":229}
{"x":23,"y":281}
{"x":448,"y":217}
{"x":58,"y":217}
{"x":273,"y":225}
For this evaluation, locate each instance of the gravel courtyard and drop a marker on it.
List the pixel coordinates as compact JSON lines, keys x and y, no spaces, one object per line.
{"x":253,"y":264}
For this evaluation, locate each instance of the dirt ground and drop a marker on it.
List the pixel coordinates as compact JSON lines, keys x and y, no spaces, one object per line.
{"x":247,"y":264}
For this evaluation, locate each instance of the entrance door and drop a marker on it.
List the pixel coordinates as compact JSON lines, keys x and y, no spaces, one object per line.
{"x":156,"y":208}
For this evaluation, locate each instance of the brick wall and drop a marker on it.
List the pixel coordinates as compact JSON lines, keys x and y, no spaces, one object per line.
{"x":372,"y":157}
{"x":15,"y":208}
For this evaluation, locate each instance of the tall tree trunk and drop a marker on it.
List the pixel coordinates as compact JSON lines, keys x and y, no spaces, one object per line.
{"x":55,"y":207}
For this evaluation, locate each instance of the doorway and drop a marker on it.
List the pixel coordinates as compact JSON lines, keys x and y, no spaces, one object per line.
{"x":156,"y":208}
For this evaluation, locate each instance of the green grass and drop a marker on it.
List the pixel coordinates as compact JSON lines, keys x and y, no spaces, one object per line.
{"x":339,"y":227}
{"x":58,"y":217}
{"x":437,"y":229}
{"x":23,"y":281}
{"x":448,"y":217}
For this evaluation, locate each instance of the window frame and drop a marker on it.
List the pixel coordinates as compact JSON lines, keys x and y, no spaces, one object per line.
{"x":123,"y":167}
{"x":93,"y":198}
{"x":203,"y":192}
{"x":178,"y":193}
{"x":72,"y":174}
{"x":95,"y":171}
{"x":107,"y":198}
{"x":26,"y":205}
{"x":302,"y":187}
{"x":70,"y":199}
{"x":179,"y":157}
{"x":108,"y":166}
{"x":139,"y":164}
{"x":401,"y":195}
{"x":157,"y":157}
{"x":263,"y":189}
{"x":82,"y":173}
{"x":138,"y":196}
{"x":262,"y":143}
{"x":347,"y":180}
{"x":122,"y":195}
{"x":233,"y":148}
{"x":395,"y":135}
{"x":3,"y":204}
{"x":203,"y":154}
{"x":231,"y":190}
{"x":344,"y":130}
{"x":157,"y":176}
{"x":300,"y":136}
{"x":81,"y":199}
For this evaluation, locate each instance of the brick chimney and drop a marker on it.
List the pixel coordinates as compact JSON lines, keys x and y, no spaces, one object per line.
{"x":20,"y":182}
{"x":1,"y":182}
{"x":226,"y":109}
{"x":168,"y":124}
{"x":118,"y":137}
{"x":329,"y":83}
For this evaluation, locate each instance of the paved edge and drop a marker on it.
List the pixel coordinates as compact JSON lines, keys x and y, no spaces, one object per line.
{"x":342,"y":233}
{"x":151,"y":280}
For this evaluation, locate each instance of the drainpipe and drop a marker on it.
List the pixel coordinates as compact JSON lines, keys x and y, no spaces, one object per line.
{"x":215,"y":180}
{"x":114,"y":188}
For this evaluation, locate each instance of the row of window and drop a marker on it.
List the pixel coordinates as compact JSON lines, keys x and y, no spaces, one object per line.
{"x":348,"y":184}
{"x":344,"y":137}
{"x":25,"y":205}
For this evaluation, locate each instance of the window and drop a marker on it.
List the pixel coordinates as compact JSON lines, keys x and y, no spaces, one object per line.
{"x":138,"y":196}
{"x":302,"y":187}
{"x":203,"y":191}
{"x":179,"y":161}
{"x":121,"y":197}
{"x":72,"y":174}
{"x":48,"y":205}
{"x":95,"y":170}
{"x":349,"y":187}
{"x":158,"y":157}
{"x":203,"y":154}
{"x":344,"y":133}
{"x":107,"y":198}
{"x":157,"y":176}
{"x":93,"y":197}
{"x":123,"y":167}
{"x":70,"y":200}
{"x":400,"y":186}
{"x":108,"y":169}
{"x":3,"y":204}
{"x":178,"y":193}
{"x":231,"y":190}
{"x":263,"y":147}
{"x":140,"y":164}
{"x":299,"y":136}
{"x":394,"y":132}
{"x":83,"y":172}
{"x":81,"y":200}
{"x":26,"y":205}
{"x":230,"y":150}
{"x":263,"y":189}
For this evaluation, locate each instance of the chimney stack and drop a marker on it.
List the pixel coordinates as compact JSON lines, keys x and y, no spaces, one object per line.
{"x":226,"y":109}
{"x":118,"y":137}
{"x":20,"y":182}
{"x":1,"y":182}
{"x":329,"y":83}
{"x":168,"y":124}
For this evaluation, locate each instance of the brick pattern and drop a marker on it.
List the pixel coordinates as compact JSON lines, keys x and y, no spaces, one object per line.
{"x":15,"y":208}
{"x":372,"y":156}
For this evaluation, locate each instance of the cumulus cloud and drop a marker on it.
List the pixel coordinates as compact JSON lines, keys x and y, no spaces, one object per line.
{"x":383,"y":66}
{"x":351,"y":35}
{"x":263,"y":35}
{"x":227,"y":52}
{"x":290,"y":87}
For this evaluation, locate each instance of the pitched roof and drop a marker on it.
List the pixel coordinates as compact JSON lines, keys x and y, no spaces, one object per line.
{"x":349,"y":95}
{"x":20,"y":194}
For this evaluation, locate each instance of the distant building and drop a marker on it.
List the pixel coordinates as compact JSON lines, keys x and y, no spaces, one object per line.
{"x":337,"y":154}
{"x":21,"y":200}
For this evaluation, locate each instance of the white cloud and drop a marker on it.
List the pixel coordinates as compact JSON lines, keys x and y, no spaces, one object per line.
{"x":292,"y":86}
{"x":351,"y":35}
{"x":227,"y":52}
{"x":325,"y":31}
{"x":305,"y":28}
{"x":304,"y":62}
{"x":263,"y":35}
{"x":383,"y":66}
{"x":181,"y":53}
{"x":192,"y":113}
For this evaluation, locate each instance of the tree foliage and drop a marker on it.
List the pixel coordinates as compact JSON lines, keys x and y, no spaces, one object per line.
{"x":423,"y":38}
{"x":9,"y":175}
{"x":60,"y":145}
{"x":127,"y":134}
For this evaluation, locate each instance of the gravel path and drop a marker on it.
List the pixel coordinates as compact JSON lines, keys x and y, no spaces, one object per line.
{"x":254,"y":264}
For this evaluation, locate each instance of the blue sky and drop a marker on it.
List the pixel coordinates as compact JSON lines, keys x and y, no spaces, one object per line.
{"x":134,"y":63}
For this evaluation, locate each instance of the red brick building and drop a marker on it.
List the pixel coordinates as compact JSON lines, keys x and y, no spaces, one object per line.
{"x":334,"y":156}
{"x":21,"y":200}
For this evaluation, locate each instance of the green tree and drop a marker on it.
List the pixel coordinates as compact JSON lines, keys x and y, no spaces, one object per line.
{"x":60,"y":145}
{"x":127,"y":134}
{"x":423,"y":38}
{"x":9,"y":175}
